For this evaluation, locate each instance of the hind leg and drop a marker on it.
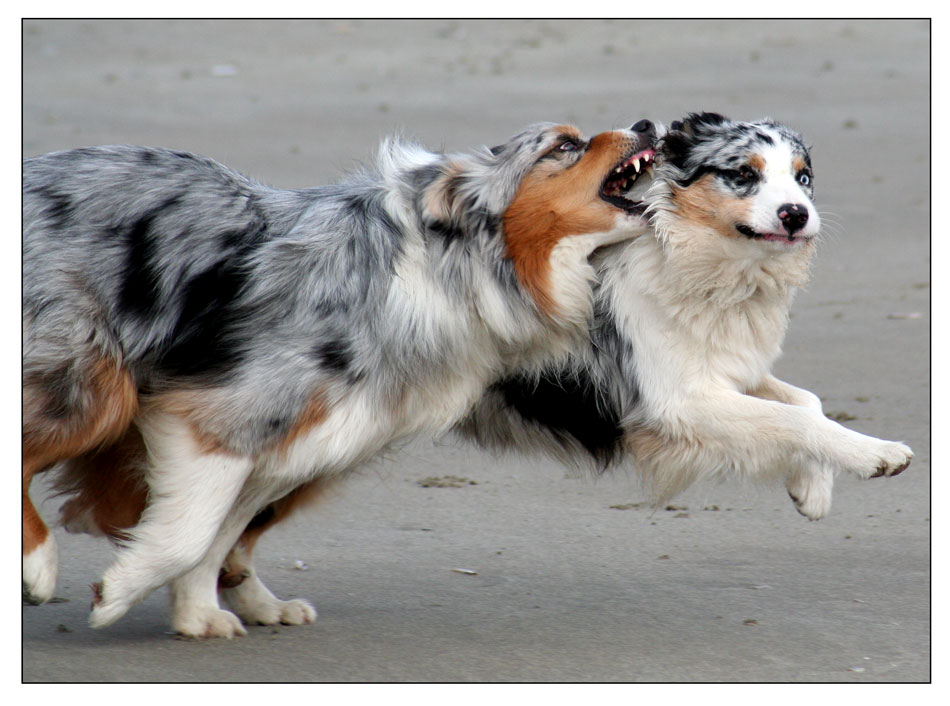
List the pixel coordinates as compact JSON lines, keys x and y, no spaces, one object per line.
{"x":66,"y":412}
{"x":255,"y":603}
{"x":240,"y":585}
{"x":191,"y":493}
{"x":40,"y":557}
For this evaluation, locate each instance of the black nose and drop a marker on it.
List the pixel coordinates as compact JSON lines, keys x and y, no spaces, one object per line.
{"x":793,"y":216}
{"x":643,"y":126}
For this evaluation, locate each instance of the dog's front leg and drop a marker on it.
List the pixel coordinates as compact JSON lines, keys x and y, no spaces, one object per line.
{"x":771,"y":388}
{"x":191,"y":493}
{"x":776,"y":432}
{"x":717,"y":430}
{"x":809,"y":485}
{"x":195,"y":608}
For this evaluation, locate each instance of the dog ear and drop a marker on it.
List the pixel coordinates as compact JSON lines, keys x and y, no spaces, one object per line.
{"x":441,"y":203}
{"x":684,"y":134}
{"x":697,"y":121}
{"x":677,"y":142}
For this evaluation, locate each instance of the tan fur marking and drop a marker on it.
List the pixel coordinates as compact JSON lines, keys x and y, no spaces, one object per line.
{"x":108,"y":404}
{"x":192,"y":405}
{"x":756,"y":161}
{"x":798,"y":164}
{"x":555,"y":201}
{"x":652,"y":450}
{"x":108,"y":486}
{"x":704,"y":204}
{"x":313,"y":414}
{"x":644,"y":443}
{"x":35,"y":531}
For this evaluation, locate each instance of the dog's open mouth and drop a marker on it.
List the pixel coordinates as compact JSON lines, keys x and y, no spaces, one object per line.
{"x":753,"y":234}
{"x":627,"y":183}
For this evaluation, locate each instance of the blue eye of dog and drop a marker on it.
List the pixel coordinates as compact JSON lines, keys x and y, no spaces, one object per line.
{"x":568,"y":146}
{"x":804,"y":178}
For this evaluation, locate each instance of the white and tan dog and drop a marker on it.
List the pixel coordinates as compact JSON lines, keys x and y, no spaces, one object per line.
{"x":689,"y":321}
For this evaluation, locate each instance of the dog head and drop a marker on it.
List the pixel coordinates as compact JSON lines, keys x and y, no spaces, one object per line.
{"x":546,"y":190}
{"x":745,"y":181}
{"x":542,"y":201}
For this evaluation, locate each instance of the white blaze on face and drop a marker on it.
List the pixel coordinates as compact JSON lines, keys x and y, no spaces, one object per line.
{"x":779,"y":185}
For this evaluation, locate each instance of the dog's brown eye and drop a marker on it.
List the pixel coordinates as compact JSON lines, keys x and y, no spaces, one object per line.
{"x":747,"y":174}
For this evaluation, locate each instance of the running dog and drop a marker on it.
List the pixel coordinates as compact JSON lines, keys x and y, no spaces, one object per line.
{"x":198,"y":345}
{"x":688,"y":323}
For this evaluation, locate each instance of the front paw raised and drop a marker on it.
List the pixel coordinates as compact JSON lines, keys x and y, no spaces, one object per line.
{"x":894,"y":460}
{"x":882,"y":459}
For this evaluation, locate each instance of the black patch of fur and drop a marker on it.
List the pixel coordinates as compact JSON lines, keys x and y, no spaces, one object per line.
{"x":264,"y":517}
{"x":684,"y":136}
{"x":570,"y":408}
{"x":335,"y":355}
{"x":206,"y":340}
{"x":446,"y":231}
{"x":139,"y":291}
{"x":203,"y":342}
{"x":58,"y":207}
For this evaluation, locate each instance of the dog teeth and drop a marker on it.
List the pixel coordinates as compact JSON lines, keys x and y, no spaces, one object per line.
{"x":636,"y":165}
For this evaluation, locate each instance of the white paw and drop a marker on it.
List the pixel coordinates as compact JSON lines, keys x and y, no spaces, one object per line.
{"x":277,"y":612}
{"x":39,"y":571}
{"x":257,"y":605}
{"x":297,"y":612}
{"x":882,"y":458}
{"x":894,"y":459}
{"x":811,"y":492}
{"x":205,"y":621}
{"x":106,"y":609}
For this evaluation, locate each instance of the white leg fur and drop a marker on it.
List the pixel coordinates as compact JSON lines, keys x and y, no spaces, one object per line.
{"x":40,"y":567}
{"x":254,"y":602}
{"x":810,"y":488}
{"x":808,"y":433}
{"x":191,"y":493}
{"x":195,"y":608}
{"x":722,"y":429}
{"x":809,"y":485}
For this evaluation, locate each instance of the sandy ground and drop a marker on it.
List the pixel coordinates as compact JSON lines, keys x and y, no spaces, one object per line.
{"x":576,"y":579}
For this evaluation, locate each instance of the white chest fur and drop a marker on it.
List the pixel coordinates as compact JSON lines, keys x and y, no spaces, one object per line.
{"x":696,"y":319}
